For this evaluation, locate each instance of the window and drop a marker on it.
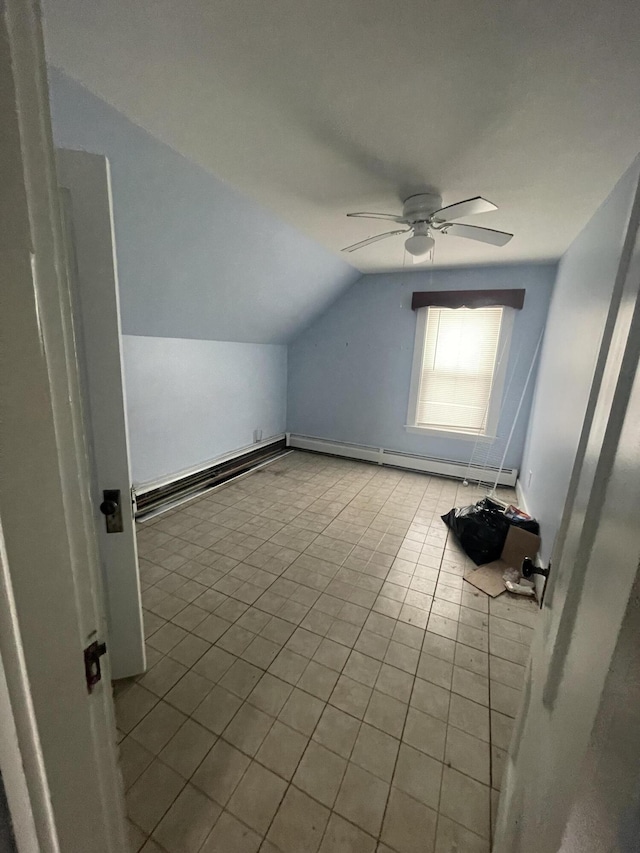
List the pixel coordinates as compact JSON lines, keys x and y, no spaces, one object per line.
{"x":458,"y":370}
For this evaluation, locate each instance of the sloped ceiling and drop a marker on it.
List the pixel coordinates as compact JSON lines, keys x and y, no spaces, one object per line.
{"x":317,"y":108}
{"x":196,"y":258}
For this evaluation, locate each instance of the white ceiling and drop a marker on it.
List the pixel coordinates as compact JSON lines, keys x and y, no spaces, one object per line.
{"x":318,"y":107}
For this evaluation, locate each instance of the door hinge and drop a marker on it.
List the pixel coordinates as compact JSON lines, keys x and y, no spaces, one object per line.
{"x":92,"y":655}
{"x":529,"y":569}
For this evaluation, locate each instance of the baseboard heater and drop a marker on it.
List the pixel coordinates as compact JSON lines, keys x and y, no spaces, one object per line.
{"x":410,"y":461}
{"x":151,"y":498}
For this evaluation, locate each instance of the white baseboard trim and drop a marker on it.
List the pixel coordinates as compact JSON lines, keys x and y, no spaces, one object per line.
{"x":398,"y":459}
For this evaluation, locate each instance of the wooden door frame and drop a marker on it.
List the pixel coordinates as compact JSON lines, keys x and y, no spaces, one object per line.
{"x":70,"y":794}
{"x":594,"y":560}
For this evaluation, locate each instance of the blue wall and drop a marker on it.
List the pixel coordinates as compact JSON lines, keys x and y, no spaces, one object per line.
{"x":199,"y":265}
{"x":230,"y":389}
{"x":196,"y":258}
{"x":577,"y":316}
{"x":349,"y":372}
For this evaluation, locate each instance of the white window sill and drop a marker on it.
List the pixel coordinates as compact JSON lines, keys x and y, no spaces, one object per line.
{"x":448,"y":433}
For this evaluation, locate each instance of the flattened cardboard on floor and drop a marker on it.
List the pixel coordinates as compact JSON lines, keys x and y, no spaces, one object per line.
{"x":518,"y":545}
{"x":487,"y":579}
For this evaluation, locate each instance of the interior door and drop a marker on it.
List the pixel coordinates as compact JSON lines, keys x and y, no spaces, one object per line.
{"x":85,"y":191}
{"x":551,"y":801}
{"x":57,"y":739}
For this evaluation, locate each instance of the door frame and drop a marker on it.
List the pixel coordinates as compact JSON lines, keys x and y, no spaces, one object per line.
{"x":595,"y":559}
{"x":69,"y":798}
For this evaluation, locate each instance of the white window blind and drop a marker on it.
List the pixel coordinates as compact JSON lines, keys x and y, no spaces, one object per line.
{"x":458,"y":368}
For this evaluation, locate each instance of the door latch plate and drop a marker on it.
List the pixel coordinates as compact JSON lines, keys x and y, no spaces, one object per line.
{"x":92,"y":670}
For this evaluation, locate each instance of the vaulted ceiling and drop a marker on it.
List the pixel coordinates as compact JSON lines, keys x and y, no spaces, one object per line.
{"x":318,"y":108}
{"x":196,"y":258}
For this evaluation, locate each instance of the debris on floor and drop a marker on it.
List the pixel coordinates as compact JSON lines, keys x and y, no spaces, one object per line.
{"x":521,"y":587}
{"x":498,"y":539}
{"x":518,"y":545}
{"x":482,"y":528}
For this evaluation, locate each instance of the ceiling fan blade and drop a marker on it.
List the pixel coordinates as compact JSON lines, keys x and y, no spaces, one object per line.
{"x":392,"y":217}
{"x":483,"y":235}
{"x":469,"y":207}
{"x":375,"y":239}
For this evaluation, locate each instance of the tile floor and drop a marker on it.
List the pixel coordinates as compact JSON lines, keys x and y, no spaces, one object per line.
{"x":320,"y":677}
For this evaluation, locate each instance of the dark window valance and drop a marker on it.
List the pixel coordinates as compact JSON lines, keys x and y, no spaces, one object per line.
{"x":468,"y":298}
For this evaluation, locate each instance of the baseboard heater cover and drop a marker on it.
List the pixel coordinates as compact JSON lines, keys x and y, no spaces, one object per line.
{"x":150,"y":499}
{"x":400,"y":459}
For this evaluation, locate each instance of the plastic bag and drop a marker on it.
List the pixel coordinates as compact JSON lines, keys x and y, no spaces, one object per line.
{"x":511,"y":575}
{"x":481,"y":529}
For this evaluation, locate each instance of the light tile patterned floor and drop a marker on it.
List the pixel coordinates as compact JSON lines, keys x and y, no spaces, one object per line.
{"x":320,"y":677}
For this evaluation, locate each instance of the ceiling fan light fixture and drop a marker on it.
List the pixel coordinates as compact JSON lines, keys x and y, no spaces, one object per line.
{"x":419,"y":244}
{"x":422,"y":214}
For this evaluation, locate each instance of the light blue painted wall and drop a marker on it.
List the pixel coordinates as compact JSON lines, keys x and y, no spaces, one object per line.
{"x":196,"y":258}
{"x":349,"y":372}
{"x":577,"y":316}
{"x":189,"y":401}
{"x":200,"y":262}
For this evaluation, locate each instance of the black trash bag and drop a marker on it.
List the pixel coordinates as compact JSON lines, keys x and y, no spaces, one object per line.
{"x":481,"y":529}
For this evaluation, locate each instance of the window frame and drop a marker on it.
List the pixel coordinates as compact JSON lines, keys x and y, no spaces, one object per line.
{"x":497,"y":388}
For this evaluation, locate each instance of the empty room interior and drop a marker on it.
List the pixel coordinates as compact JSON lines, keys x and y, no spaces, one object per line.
{"x":352,"y":289}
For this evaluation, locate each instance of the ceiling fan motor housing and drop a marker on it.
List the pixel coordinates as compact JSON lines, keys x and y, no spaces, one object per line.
{"x":418,"y":208}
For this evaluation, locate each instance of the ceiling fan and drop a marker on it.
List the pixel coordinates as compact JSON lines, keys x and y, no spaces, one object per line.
{"x":424,"y":216}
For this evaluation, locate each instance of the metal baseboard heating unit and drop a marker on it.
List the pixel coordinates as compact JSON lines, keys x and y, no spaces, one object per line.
{"x":398,"y":459}
{"x":154,"y":497}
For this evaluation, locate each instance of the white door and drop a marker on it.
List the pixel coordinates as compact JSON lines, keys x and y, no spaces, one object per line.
{"x":66,"y":788}
{"x":86,"y":203}
{"x":553,"y":798}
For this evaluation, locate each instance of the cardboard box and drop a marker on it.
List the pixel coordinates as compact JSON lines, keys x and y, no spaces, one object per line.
{"x":518,"y":545}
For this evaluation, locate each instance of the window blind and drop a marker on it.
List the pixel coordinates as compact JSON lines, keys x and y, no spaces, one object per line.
{"x":458,"y":366}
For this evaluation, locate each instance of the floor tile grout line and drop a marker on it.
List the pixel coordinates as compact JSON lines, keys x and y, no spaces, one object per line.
{"x":169,"y":807}
{"x":400,"y":739}
{"x":220,"y":737}
{"x":158,"y":758}
{"x":284,"y":646}
{"x":275,"y":616}
{"x":310,"y":738}
{"x":490,"y":754}
{"x":406,"y":523}
{"x":188,"y":781}
{"x":438,"y":812}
